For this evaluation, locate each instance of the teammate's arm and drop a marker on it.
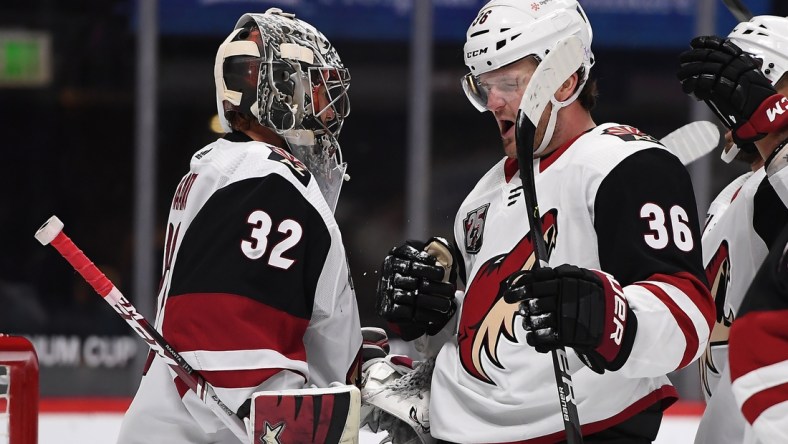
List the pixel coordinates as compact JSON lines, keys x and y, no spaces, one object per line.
{"x":648,"y":310}
{"x":646,"y":221}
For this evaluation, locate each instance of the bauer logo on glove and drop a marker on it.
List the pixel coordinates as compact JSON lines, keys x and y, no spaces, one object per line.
{"x":568,"y":306}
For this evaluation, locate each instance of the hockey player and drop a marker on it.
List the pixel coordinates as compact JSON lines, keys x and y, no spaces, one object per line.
{"x":742,"y":222}
{"x":255,"y":290}
{"x":624,"y":292}
{"x":743,"y":85}
{"x":759,"y":350}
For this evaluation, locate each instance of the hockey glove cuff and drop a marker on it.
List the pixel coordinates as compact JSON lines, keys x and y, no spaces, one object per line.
{"x":769,"y":117}
{"x":568,"y":306}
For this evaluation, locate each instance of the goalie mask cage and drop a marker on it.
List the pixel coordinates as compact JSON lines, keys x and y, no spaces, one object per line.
{"x":18,"y":391}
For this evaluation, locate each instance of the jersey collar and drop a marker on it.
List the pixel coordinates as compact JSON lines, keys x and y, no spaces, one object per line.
{"x":510,"y":167}
{"x":550,"y":159}
{"x":237,"y":136}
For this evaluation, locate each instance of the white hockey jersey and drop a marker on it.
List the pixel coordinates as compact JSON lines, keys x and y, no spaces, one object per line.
{"x":759,"y":338}
{"x":732,"y":253}
{"x":613,"y":199}
{"x":255,"y":289}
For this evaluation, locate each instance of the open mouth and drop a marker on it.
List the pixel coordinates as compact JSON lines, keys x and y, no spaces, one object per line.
{"x":506,"y":127}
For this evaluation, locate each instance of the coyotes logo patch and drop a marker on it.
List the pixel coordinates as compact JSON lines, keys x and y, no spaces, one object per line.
{"x":718,"y":274}
{"x":485,"y":316}
{"x":473,"y":225}
{"x":628,"y":133}
{"x":296,"y":166}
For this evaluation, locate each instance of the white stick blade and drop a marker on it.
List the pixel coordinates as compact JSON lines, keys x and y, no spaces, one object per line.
{"x":693,"y":141}
{"x":565,"y":59}
{"x":51,"y":228}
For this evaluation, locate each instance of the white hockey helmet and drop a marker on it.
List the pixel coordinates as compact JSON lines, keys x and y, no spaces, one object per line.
{"x":271,"y":66}
{"x":765,"y":37}
{"x":505,"y":31}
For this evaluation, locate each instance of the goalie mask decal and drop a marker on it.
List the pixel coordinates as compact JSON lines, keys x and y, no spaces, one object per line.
{"x":473,"y":225}
{"x":485,"y":315}
{"x":628,"y":133}
{"x":718,"y":274}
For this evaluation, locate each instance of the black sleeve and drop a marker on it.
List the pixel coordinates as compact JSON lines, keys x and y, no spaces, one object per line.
{"x":636,"y":197}
{"x":211,"y":260}
{"x":769,"y":288}
{"x":769,"y":213}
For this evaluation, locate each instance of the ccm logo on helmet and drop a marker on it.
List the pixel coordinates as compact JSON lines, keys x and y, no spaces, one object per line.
{"x":477,"y":52}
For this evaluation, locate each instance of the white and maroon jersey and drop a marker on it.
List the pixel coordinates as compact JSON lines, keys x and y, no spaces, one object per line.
{"x":759,"y":350}
{"x":255,"y":285}
{"x":735,"y":243}
{"x":723,"y":200}
{"x":758,"y":358}
{"x":732,"y":253}
{"x":612,"y":199}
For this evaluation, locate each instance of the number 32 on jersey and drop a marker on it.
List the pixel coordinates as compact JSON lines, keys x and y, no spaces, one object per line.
{"x":667,"y":227}
{"x":257,"y":245}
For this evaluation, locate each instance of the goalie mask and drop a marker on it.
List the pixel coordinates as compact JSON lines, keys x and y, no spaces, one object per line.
{"x":506,"y":31}
{"x":285,"y":73}
{"x":765,"y":38}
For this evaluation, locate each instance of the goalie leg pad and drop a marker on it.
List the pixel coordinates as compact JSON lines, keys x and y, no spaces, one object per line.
{"x":313,"y":415}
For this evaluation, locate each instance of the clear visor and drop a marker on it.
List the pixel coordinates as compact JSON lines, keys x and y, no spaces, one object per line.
{"x":503,"y":84}
{"x":330,"y":101}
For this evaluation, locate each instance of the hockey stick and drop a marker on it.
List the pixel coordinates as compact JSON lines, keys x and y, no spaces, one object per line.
{"x":739,"y":10}
{"x":52,"y":232}
{"x":692,"y":141}
{"x":565,"y":59}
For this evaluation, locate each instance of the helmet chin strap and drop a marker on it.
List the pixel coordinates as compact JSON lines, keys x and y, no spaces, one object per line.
{"x":728,"y":156}
{"x":557,"y":105}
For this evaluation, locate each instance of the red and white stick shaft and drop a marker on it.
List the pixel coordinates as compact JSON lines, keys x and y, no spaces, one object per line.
{"x":52,"y":233}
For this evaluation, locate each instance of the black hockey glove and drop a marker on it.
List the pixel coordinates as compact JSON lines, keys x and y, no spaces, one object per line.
{"x":416,"y":291}
{"x":732,"y":84}
{"x":574,"y":307}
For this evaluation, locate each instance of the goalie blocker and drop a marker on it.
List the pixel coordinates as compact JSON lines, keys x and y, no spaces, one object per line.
{"x":313,"y":415}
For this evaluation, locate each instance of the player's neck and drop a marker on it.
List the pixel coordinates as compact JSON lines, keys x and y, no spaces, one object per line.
{"x":260,"y":133}
{"x":573,"y":121}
